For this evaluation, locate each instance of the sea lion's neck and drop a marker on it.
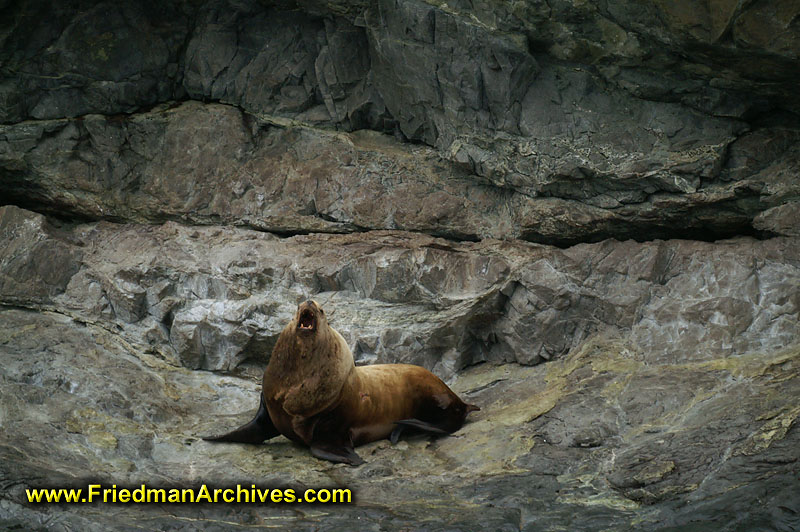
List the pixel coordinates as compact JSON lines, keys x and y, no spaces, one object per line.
{"x":322,"y":361}
{"x":296,"y":350}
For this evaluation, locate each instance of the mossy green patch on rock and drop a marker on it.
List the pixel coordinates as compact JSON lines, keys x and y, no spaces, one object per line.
{"x":95,"y":426}
{"x":776,"y":426}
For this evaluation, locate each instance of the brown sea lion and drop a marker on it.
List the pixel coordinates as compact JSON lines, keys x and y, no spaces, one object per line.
{"x":314,"y":394}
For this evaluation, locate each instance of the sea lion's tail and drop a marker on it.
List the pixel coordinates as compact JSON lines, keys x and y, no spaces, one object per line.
{"x":256,"y":431}
{"x":472,"y":408}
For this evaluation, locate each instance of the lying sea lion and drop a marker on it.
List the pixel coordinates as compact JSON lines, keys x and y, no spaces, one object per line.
{"x":313,"y":393}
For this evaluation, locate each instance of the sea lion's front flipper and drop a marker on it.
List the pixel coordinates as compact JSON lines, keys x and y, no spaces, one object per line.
{"x":395,"y":436}
{"x":343,"y":454}
{"x":332,"y":440}
{"x":259,"y":429}
{"x":417,"y":424}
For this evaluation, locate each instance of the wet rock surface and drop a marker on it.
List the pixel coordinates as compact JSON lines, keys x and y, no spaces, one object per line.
{"x":629,"y":424}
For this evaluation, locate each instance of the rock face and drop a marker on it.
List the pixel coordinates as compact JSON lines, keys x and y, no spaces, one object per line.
{"x":557,"y":123}
{"x":583,"y":215}
{"x":210,"y":297}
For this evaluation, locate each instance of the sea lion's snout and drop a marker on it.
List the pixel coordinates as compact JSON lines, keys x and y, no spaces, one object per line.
{"x":307,"y":320}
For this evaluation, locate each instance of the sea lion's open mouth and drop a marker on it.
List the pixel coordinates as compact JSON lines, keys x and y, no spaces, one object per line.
{"x":307,"y":321}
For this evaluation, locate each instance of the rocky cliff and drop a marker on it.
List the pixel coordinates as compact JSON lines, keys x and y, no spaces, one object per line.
{"x":585,"y":216}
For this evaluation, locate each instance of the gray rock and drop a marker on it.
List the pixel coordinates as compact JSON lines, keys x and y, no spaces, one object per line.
{"x":37,"y":260}
{"x":212,"y":297}
{"x":783,"y":219}
{"x":291,"y":179}
{"x":96,"y":57}
{"x":439,"y":74}
{"x":569,"y":122}
{"x":219,"y":335}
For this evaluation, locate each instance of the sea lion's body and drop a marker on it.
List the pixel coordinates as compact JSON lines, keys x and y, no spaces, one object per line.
{"x":313,"y":393}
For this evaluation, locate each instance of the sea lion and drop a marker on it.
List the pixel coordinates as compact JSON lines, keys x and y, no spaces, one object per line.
{"x":313,"y":393}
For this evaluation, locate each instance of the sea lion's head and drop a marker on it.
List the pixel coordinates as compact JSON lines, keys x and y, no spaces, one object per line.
{"x":309,"y":319}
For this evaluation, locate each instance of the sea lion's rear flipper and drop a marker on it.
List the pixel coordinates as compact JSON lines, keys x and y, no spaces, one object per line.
{"x":417,"y":424}
{"x":259,"y":429}
{"x":343,"y":454}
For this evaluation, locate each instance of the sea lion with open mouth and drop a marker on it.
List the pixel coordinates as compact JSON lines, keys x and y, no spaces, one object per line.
{"x":313,"y":393}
